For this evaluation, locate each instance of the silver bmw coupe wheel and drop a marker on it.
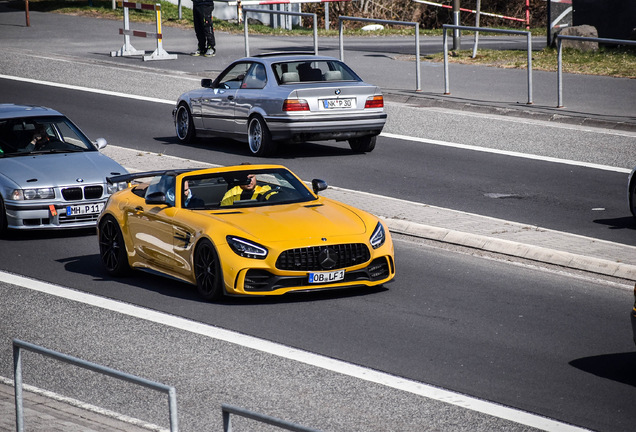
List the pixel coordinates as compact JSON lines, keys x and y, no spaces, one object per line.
{"x":184,"y":124}
{"x":363,"y":144}
{"x":259,"y":138}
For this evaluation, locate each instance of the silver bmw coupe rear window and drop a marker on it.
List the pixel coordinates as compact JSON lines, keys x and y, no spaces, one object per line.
{"x":293,"y":72}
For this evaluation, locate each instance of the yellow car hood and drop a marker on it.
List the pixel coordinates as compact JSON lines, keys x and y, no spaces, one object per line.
{"x":294,"y":221}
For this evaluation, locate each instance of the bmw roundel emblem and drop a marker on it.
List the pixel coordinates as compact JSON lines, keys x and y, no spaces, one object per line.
{"x":79,"y":180}
{"x":338,"y":91}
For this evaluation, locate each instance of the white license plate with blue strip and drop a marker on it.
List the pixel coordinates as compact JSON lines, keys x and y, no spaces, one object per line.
{"x":326,"y":277}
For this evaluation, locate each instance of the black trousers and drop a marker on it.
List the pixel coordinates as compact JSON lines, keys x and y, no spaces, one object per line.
{"x":202,"y":17}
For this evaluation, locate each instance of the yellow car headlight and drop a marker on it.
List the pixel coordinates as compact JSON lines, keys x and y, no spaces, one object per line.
{"x":246,"y":248}
{"x":378,"y":237}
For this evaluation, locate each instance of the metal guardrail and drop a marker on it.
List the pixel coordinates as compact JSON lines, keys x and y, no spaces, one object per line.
{"x":19,"y":345}
{"x":389,"y":22}
{"x":486,"y":29}
{"x":283,"y":424}
{"x":302,"y":14}
{"x":559,"y":38}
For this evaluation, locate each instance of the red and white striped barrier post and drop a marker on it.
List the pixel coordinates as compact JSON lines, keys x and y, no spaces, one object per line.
{"x":127,"y":49}
{"x":240,"y":3}
{"x":523,"y":20}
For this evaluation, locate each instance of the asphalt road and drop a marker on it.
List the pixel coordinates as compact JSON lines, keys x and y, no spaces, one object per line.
{"x":575,"y":199}
{"x":542,"y":342}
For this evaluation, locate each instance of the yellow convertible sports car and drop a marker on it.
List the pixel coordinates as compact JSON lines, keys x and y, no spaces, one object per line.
{"x":242,"y":230}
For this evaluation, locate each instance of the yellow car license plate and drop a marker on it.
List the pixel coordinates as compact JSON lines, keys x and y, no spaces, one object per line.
{"x":326,"y":277}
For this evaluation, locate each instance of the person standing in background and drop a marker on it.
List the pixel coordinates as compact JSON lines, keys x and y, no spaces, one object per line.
{"x":202,"y":17}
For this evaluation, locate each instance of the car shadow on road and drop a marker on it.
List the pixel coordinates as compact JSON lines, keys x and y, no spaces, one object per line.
{"x":27,"y":235}
{"x":284,"y":151}
{"x":91,"y":265}
{"x":618,"y":223}
{"x":620,"y":367}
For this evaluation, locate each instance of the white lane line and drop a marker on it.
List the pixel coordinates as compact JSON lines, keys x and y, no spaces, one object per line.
{"x":89,"y":90}
{"x":507,"y":153}
{"x":385,"y":134}
{"x":305,"y":357}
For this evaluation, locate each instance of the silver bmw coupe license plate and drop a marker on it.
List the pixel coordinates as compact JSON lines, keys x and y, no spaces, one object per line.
{"x":325,"y":277}
{"x":337,"y":103}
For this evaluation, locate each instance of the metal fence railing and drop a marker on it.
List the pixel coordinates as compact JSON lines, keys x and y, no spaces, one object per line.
{"x":486,"y":29}
{"x":389,"y":22}
{"x":302,"y":14}
{"x":19,"y":345}
{"x":283,"y":424}
{"x":559,"y":38}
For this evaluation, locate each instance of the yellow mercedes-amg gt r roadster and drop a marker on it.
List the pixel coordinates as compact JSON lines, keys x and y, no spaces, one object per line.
{"x":241,"y":230}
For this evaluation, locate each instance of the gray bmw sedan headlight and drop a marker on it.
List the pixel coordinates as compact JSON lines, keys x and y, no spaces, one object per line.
{"x":115,"y":187}
{"x":30,"y":194}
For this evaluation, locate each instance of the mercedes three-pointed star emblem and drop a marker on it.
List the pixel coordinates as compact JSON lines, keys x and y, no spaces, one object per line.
{"x":328,"y":258}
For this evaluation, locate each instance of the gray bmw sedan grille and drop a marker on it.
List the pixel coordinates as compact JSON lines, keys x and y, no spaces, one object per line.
{"x":77,"y":194}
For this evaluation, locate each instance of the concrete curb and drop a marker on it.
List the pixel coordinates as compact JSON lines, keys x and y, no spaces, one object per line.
{"x":522,"y":111}
{"x":507,"y":247}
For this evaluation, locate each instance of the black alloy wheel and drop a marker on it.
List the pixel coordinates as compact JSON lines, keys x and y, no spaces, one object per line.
{"x":112,"y":249}
{"x":184,"y":124}
{"x":207,"y":271}
{"x":363,"y":144}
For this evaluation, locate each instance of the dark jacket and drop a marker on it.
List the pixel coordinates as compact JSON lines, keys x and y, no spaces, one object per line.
{"x":203,"y":3}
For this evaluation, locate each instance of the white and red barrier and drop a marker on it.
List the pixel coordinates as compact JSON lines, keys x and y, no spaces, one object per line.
{"x":274,"y":2}
{"x":127,"y":49}
{"x":523,"y":20}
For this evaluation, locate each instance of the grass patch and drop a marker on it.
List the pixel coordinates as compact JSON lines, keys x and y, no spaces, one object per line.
{"x":616,"y":62}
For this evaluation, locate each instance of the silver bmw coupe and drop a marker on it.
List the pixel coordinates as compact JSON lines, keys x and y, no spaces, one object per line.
{"x":263,"y":100}
{"x":51,"y":175}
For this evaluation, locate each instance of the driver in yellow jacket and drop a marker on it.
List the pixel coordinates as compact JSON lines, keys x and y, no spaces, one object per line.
{"x":250,"y":191}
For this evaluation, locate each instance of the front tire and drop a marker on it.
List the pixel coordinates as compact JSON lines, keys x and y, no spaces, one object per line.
{"x":632,"y":197}
{"x":363,"y":144}
{"x":3,"y":219}
{"x":259,"y":138}
{"x":112,"y":249}
{"x":207,"y":271}
{"x":184,"y":124}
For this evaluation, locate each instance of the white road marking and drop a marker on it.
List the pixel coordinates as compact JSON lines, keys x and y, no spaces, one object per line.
{"x":286,"y":352}
{"x":89,"y":90}
{"x":507,"y":153}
